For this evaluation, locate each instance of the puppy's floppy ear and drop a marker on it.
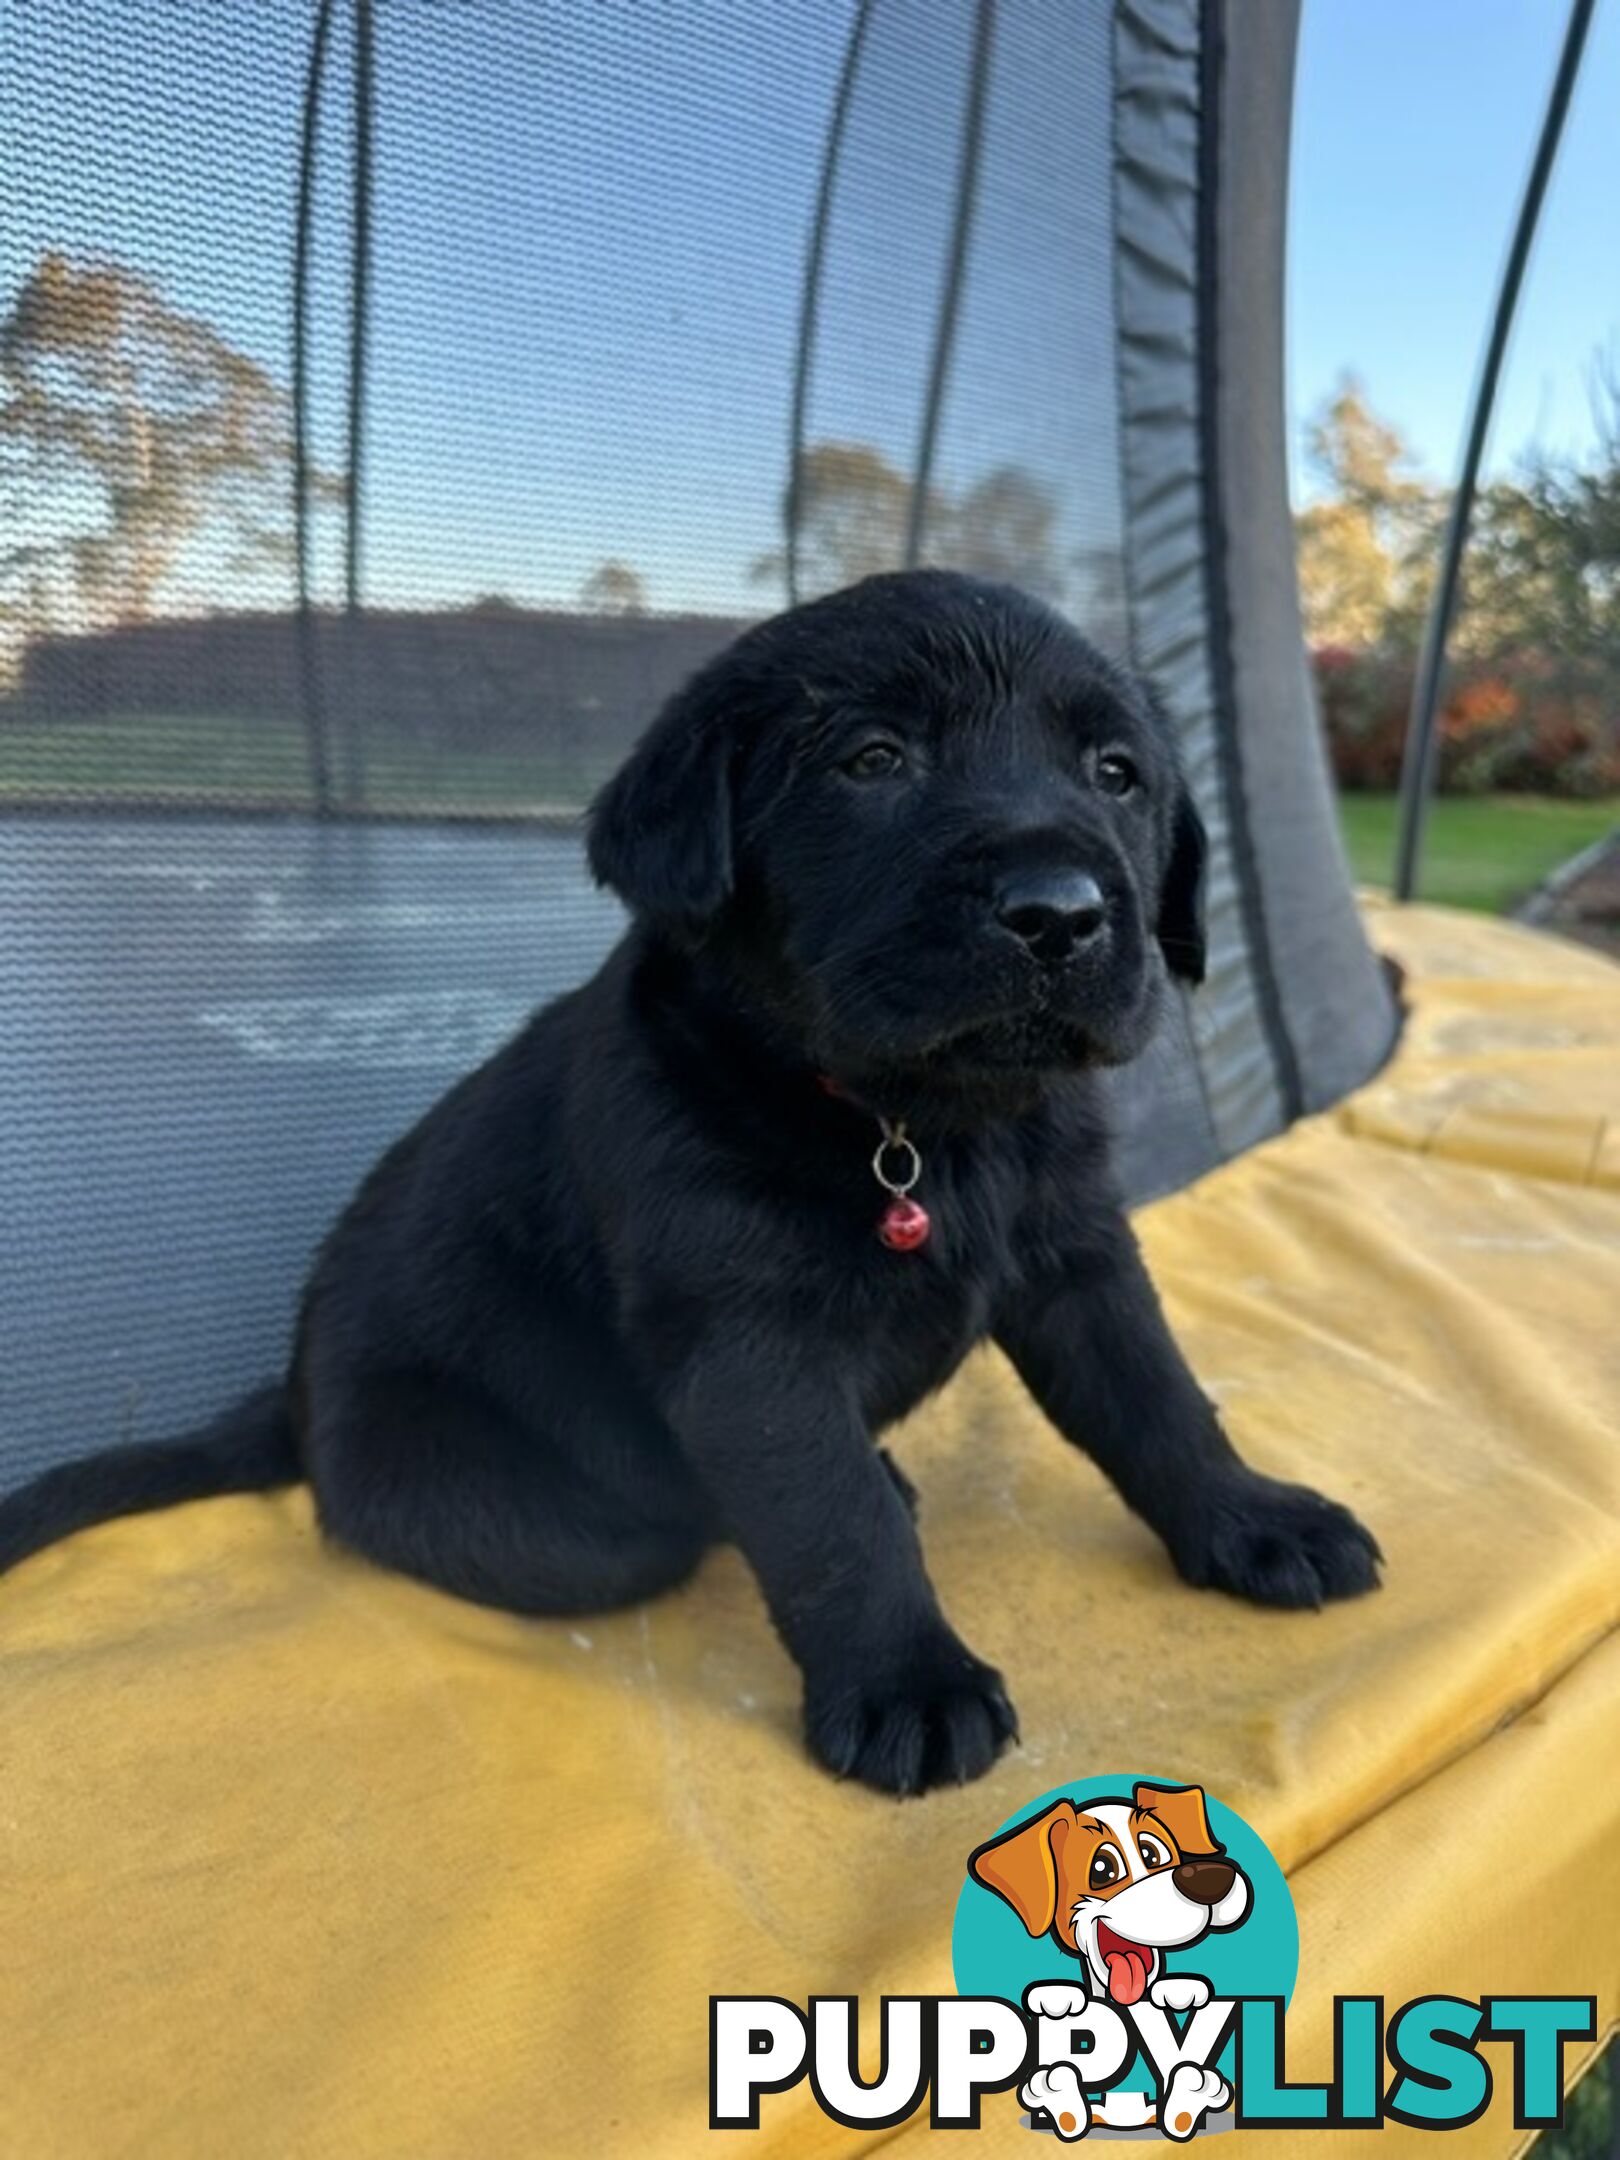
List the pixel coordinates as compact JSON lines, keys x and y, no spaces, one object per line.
{"x":660,"y":831}
{"x":1180,"y":924}
{"x":1022,"y":1865}
{"x":1182,"y":1811}
{"x":1180,"y":927}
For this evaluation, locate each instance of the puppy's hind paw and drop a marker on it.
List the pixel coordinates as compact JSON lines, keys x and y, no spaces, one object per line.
{"x":1191,"y":2094}
{"x":1277,"y":1544}
{"x":1057,"y":2093}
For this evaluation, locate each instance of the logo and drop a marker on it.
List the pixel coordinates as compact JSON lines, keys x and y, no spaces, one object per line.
{"x":1125,"y":1952}
{"x":1127,"y":1917}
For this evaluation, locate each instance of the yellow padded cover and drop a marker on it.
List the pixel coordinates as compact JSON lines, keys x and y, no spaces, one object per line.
{"x":299,"y":1859}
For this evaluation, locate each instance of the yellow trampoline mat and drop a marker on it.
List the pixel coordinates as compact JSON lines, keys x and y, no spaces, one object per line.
{"x":301,"y":1859}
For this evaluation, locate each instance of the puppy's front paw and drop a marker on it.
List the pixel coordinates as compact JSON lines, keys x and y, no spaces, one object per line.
{"x":936,"y":1715}
{"x":1056,"y":1999}
{"x":1179,"y":1991}
{"x":1277,"y":1544}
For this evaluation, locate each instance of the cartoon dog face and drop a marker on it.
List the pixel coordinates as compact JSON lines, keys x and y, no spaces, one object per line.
{"x":1118,"y":1882}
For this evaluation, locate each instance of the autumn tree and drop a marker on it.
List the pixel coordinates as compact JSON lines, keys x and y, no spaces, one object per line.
{"x":127,"y":427}
{"x":1366,"y":540}
{"x":1532,"y":689}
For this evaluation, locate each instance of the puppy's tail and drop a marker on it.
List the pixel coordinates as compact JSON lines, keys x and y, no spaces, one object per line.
{"x":248,"y":1449}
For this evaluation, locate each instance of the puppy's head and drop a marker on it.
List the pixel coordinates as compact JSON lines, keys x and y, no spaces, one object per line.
{"x":944,"y":835}
{"x":1118,"y":1882}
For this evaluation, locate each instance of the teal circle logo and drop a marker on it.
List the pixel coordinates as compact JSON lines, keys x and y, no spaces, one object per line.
{"x":1121,"y":1887}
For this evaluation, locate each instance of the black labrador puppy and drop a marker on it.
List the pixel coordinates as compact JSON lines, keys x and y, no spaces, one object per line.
{"x":906,"y":867}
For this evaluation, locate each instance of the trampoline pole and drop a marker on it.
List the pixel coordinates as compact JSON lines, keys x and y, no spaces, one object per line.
{"x":1421,"y":754}
{"x":950,"y":298}
{"x":810,"y":301}
{"x":359,"y":343}
{"x":315,"y":729}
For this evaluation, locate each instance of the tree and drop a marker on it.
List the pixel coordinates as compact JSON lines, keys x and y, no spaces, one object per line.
{"x":126,"y":427}
{"x":1366,"y":544}
{"x":851,"y":516}
{"x":1532,"y":689}
{"x":854,"y":513}
{"x":1003,"y":527}
{"x":1098,"y":600}
{"x":613,"y":588}
{"x":1543,"y":564}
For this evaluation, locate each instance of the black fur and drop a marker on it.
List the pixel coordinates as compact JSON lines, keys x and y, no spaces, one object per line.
{"x":619,"y":1295}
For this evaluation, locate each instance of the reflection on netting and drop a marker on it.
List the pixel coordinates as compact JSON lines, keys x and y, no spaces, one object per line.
{"x":552,"y":287}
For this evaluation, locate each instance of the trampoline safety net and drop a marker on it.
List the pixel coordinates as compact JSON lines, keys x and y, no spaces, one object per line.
{"x":397,"y":400}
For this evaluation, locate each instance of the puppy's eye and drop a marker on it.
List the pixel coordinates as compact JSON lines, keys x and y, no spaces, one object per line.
{"x":1153,"y":1853}
{"x":1106,"y":1868}
{"x":874,"y":761}
{"x":1116,"y":775}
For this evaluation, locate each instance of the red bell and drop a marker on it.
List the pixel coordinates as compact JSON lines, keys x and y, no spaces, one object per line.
{"x":904,"y":1224}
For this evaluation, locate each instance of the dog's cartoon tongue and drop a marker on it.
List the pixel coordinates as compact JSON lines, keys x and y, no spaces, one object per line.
{"x":1128,"y":1966}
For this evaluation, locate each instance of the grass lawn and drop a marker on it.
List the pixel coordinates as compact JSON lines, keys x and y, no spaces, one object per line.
{"x":1483,"y":851}
{"x":196,"y":759}
{"x":1480,"y":851}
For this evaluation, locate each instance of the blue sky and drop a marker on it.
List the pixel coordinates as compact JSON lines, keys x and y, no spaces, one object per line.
{"x":590,"y":221}
{"x":1414,"y":124}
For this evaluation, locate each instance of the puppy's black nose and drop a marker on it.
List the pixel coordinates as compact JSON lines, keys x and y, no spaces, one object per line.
{"x":1206,"y":1882}
{"x":1051,"y":910}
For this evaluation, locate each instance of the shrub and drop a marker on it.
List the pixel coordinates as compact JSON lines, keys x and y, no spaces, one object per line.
{"x":1519,"y":721}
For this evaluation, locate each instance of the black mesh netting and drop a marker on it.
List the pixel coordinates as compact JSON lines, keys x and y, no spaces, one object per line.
{"x":553,"y":293}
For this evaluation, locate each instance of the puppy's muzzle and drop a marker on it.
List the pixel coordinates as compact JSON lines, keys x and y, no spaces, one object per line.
{"x":1206,"y":1882}
{"x":1053,"y":912}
